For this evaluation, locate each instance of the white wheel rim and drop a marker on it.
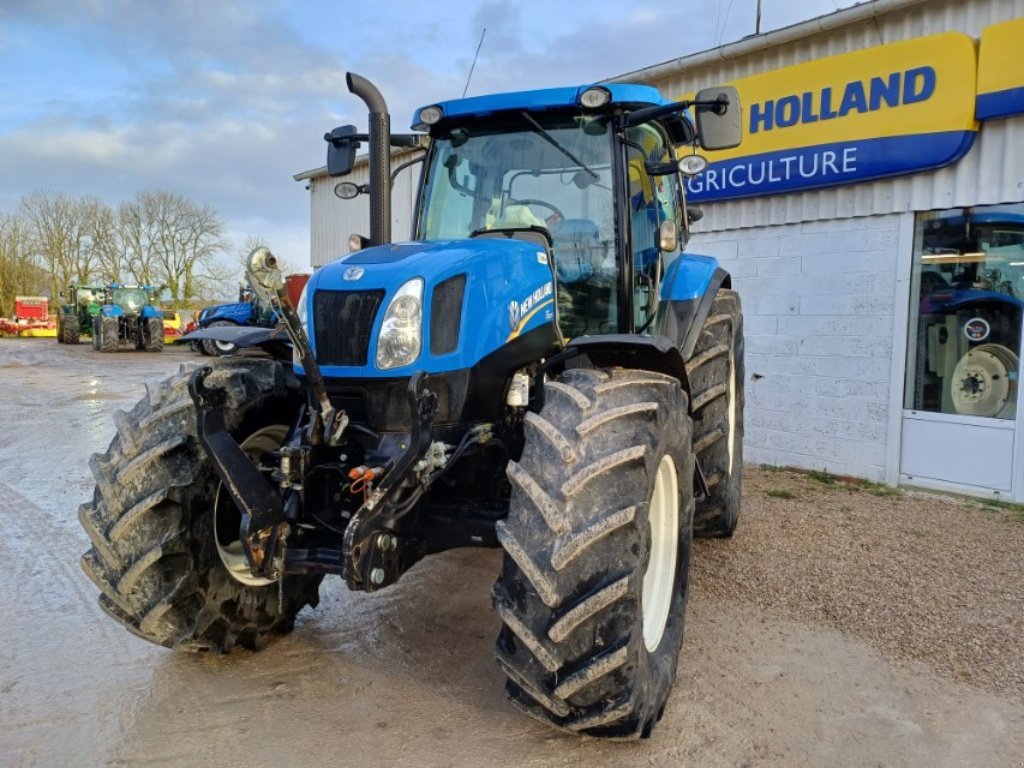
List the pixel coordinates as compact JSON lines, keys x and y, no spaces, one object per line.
{"x":731,"y":427}
{"x":660,"y":576}
{"x":232,"y":554}
{"x":982,"y":382}
{"x":224,"y":346}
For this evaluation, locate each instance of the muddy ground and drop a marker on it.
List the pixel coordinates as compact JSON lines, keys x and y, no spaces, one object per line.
{"x":785,"y":663}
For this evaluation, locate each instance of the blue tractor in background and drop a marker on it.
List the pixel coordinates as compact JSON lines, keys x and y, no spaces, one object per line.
{"x":249,"y":311}
{"x":129,"y":316}
{"x":540,"y":370}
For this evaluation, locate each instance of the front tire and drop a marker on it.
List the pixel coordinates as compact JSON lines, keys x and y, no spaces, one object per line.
{"x":68,"y":331}
{"x":109,"y":338}
{"x":593,"y":588}
{"x":153,"y":340}
{"x":159,"y":529}
{"x":219,"y":348}
{"x":715,"y":372}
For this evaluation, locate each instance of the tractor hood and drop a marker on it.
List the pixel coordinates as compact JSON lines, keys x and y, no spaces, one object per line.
{"x":479,"y":295}
{"x":239,"y":312}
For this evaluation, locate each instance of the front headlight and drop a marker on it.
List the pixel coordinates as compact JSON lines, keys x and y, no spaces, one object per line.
{"x":401,"y":332}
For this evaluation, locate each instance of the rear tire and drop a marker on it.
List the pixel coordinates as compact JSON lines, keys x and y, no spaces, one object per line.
{"x":153,"y":339}
{"x":600,"y":522}
{"x":715,"y":373}
{"x":156,"y":521}
{"x":109,"y":339}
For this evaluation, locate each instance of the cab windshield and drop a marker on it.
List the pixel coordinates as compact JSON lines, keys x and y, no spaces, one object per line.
{"x":130,"y":298}
{"x":534,"y":170}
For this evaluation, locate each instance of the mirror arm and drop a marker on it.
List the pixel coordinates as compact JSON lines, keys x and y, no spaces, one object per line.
{"x":406,"y":164}
{"x":719,"y":106}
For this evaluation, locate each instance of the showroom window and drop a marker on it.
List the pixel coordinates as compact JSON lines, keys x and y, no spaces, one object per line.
{"x":967,"y":296}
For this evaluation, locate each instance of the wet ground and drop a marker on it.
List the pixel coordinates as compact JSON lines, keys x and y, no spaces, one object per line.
{"x":405,"y":677}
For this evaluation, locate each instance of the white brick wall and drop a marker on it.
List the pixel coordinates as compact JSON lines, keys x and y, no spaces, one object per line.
{"x":818,"y":313}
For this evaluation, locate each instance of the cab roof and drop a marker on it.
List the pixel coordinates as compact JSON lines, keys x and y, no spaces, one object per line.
{"x":624,"y":94}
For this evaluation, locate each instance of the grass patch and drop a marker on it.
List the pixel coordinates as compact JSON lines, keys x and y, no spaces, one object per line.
{"x":780,"y":494}
{"x":773,"y":468}
{"x":881,"y":489}
{"x":1016,"y":511}
{"x":822,"y":476}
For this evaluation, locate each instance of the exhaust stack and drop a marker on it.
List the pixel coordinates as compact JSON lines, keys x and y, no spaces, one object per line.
{"x":380,"y":157}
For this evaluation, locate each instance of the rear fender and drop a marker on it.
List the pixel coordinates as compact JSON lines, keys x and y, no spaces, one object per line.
{"x":687,"y":293}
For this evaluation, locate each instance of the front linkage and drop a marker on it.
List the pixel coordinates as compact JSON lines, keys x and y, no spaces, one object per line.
{"x":391,"y":479}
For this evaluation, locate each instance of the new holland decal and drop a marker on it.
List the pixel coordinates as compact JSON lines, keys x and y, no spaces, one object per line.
{"x":522,"y":311}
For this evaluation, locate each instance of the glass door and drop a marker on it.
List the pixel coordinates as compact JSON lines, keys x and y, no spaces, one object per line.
{"x":963,"y":352}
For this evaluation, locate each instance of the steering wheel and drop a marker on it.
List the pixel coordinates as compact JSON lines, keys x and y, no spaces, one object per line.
{"x":541,"y":203}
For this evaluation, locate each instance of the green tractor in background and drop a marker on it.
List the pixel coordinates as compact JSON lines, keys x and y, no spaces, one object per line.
{"x":128,"y":316}
{"x":74,"y":318}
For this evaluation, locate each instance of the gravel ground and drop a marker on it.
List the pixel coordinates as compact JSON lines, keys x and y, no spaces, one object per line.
{"x":921,"y":576}
{"x":837,"y":628}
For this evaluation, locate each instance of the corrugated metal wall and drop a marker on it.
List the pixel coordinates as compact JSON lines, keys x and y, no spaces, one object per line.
{"x":992,"y":172}
{"x":332,"y":220}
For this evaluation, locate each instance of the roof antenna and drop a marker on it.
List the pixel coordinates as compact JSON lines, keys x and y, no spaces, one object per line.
{"x":473,"y":66}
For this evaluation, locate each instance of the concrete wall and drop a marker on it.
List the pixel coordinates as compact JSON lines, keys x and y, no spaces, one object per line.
{"x":819,"y":301}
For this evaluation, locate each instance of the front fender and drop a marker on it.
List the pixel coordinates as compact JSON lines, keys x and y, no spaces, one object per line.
{"x":274,"y":341}
{"x":687,"y":293}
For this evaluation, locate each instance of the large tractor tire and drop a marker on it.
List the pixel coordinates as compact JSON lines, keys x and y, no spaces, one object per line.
{"x":68,"y":330}
{"x":715,"y":373}
{"x":109,"y":339}
{"x":166,"y":553}
{"x":595,"y":576}
{"x":219,"y":348}
{"x":153,"y":335}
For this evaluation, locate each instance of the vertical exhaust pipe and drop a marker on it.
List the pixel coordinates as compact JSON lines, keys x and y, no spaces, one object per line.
{"x":380,"y":157}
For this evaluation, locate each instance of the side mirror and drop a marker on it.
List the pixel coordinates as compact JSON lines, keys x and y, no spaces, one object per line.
{"x":341,"y":150}
{"x":719,"y":124}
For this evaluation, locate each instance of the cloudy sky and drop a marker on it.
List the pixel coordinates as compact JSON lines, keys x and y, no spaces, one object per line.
{"x":221,"y":101}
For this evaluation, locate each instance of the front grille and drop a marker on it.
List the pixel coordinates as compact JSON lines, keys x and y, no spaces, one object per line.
{"x":446,"y":315}
{"x":343,"y":321}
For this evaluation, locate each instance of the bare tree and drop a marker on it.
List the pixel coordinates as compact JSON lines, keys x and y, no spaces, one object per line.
{"x":59,"y":235}
{"x":19,"y":272}
{"x":173,"y":240}
{"x":106,"y":246}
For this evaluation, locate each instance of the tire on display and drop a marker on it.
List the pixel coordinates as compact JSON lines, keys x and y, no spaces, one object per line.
{"x":219,"y":348}
{"x":153,"y":337}
{"x":164,"y":533}
{"x":109,"y":334}
{"x":715,"y":373}
{"x":595,"y":576}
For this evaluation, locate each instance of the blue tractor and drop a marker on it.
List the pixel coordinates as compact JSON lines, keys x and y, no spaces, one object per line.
{"x":129,"y":317}
{"x":541,"y":370}
{"x":250,"y":310}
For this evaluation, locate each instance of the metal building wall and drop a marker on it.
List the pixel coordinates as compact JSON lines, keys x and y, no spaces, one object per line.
{"x":332,"y":220}
{"x":992,"y":172}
